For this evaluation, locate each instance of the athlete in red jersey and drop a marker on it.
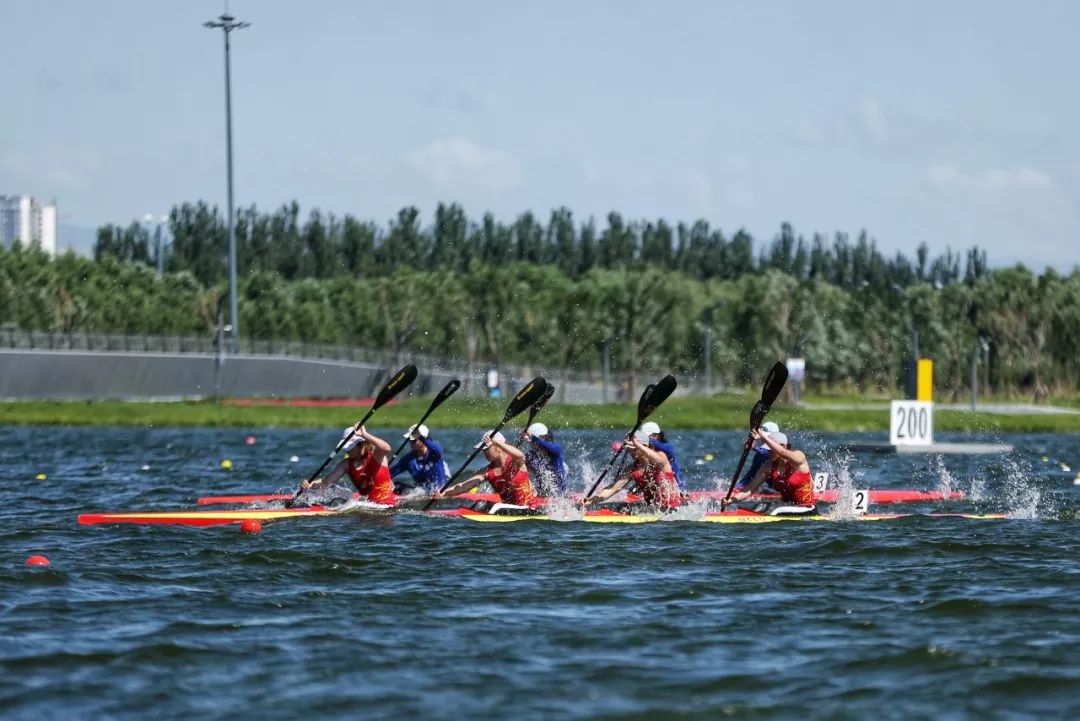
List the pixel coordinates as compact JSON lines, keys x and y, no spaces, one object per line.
{"x":365,"y":464}
{"x":506,"y":474}
{"x":652,"y":473}
{"x":789,"y":473}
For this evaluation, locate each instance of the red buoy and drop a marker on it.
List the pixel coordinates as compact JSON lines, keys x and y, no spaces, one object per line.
{"x":250,"y":440}
{"x":37,"y":560}
{"x":251,"y":525}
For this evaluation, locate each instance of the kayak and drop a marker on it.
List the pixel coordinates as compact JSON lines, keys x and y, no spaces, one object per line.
{"x":205,"y":518}
{"x":829,"y":495}
{"x":202,"y":517}
{"x":737,"y":516}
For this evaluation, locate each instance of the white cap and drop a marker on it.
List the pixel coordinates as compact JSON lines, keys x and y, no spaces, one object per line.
{"x":537,"y":429}
{"x":356,"y":438}
{"x":650,"y":429}
{"x":769,"y":427}
{"x":498,"y":436}
{"x":414,"y":432}
{"x":778,"y":437}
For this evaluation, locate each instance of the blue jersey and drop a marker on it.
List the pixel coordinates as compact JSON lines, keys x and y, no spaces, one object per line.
{"x":669,"y":450}
{"x":428,"y":471}
{"x":547,"y":469}
{"x":761,"y":455}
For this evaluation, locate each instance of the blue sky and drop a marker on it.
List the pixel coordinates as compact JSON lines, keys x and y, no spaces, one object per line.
{"x":951,"y":123}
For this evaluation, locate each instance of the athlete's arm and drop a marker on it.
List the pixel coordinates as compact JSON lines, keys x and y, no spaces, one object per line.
{"x":329,"y":478}
{"x":461,"y":486}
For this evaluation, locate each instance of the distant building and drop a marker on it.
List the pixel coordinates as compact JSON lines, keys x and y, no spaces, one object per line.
{"x":29,"y":220}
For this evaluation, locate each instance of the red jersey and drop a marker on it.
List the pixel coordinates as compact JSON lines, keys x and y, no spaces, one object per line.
{"x":658,"y":487}
{"x":795,"y":486}
{"x":372,"y":479}
{"x":512,"y":483}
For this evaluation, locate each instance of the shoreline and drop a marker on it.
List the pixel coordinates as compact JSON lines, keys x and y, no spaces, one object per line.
{"x":718,"y":413}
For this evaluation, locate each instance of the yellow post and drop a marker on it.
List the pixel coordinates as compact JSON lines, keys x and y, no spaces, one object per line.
{"x":925,"y":382}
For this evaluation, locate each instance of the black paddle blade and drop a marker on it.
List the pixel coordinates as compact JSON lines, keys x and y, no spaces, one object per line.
{"x":774,"y":384}
{"x":526,"y":397}
{"x":539,"y":405}
{"x":401,"y":380}
{"x":448,"y":390}
{"x":660,"y":392}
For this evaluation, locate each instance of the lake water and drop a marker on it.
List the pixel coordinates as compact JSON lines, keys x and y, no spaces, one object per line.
{"x":424,"y":617}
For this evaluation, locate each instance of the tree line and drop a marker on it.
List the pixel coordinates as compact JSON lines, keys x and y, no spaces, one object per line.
{"x":842,"y":305}
{"x":326,"y":246}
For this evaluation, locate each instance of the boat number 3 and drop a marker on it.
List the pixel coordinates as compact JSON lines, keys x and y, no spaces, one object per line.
{"x":860,"y":501}
{"x":821,"y":481}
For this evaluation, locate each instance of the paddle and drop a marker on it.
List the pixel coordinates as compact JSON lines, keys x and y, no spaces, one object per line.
{"x":650,"y":400}
{"x":441,"y":396}
{"x":773,"y":385}
{"x":530,"y":395}
{"x":399,"y":382}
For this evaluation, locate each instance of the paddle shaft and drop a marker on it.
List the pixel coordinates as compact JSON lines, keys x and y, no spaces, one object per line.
{"x":611,"y":463}
{"x":459,"y":471}
{"x":445,"y":393}
{"x":338,"y":448}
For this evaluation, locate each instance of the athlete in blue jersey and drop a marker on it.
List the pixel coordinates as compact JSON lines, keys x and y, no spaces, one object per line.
{"x":760,"y":456}
{"x":424,"y":461}
{"x":658,"y":441}
{"x":544,"y":460}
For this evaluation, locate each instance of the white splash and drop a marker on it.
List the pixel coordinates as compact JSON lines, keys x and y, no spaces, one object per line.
{"x":946,"y":483}
{"x":845,"y":482}
{"x":1021,"y":498}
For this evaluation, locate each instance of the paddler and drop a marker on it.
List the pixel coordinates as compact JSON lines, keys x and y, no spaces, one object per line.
{"x":424,"y":461}
{"x":659,"y":441}
{"x":761,"y":455}
{"x":365,"y":464}
{"x":506,"y":473}
{"x":650,"y":471}
{"x":789,"y":474}
{"x":544,"y":460}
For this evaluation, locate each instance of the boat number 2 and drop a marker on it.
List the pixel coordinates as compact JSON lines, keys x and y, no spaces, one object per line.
{"x":860,"y":501}
{"x":821,"y":481}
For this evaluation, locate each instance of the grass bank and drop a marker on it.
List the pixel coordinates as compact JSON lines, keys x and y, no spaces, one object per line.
{"x":719,"y":412}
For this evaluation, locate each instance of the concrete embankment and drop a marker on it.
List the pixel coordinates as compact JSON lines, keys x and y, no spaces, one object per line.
{"x":101,"y":375}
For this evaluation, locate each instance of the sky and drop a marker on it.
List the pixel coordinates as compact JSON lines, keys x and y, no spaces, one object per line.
{"x":952,"y":123}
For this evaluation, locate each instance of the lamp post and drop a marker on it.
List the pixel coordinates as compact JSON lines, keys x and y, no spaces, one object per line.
{"x":158,"y":250}
{"x":227,"y":23}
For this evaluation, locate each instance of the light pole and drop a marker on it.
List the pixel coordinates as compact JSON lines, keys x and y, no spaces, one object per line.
{"x":227,"y":23}
{"x":158,"y":250}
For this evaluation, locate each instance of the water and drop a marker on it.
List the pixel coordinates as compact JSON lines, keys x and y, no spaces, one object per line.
{"x":411,"y":616}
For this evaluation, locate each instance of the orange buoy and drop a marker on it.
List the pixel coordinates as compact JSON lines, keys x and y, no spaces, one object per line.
{"x":251,"y":525}
{"x":37,"y":560}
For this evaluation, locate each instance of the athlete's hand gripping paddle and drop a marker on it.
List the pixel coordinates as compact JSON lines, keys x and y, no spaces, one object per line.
{"x":650,"y":400}
{"x":773,"y":385}
{"x":528,"y":396}
{"x":437,"y":401}
{"x":399,"y":382}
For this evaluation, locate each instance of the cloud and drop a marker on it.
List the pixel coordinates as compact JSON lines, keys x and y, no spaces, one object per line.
{"x":1015,"y":212}
{"x":456,"y":163}
{"x":872,"y":120}
{"x":947,"y":177}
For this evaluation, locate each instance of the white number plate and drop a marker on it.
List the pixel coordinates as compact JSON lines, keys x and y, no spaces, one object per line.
{"x":821,"y":481}
{"x":860,"y":501}
{"x":912,"y":423}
